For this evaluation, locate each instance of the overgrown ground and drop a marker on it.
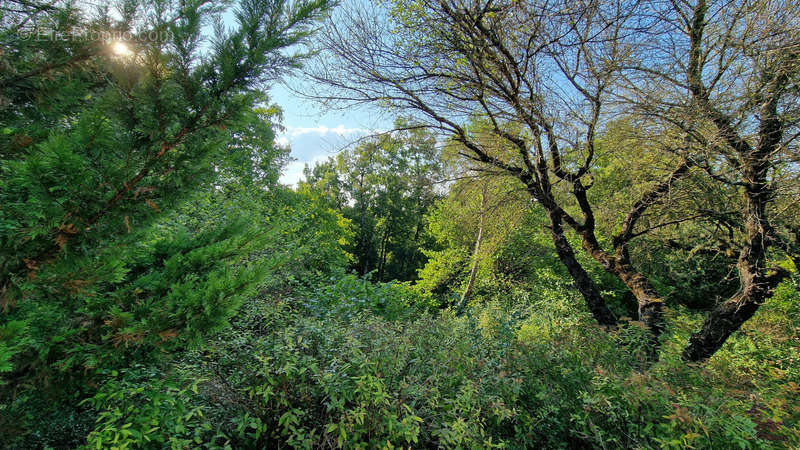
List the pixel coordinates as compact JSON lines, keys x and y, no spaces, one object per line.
{"x":349,"y":366}
{"x":343,"y":362}
{"x":318,"y":358}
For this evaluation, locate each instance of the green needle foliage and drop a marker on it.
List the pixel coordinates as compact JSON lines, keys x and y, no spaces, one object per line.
{"x":109,"y":118}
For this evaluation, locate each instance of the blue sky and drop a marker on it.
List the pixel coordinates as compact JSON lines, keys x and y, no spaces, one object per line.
{"x":314,"y":133}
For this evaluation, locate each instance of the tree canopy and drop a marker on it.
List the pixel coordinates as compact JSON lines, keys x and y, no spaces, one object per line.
{"x":546,"y":77}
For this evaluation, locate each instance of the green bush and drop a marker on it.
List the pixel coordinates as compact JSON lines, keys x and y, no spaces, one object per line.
{"x":350,"y":295}
{"x":350,"y":364}
{"x":166,"y":289}
{"x":140,"y":407}
{"x":340,"y":371}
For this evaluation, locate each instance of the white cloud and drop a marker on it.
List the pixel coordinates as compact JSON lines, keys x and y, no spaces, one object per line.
{"x":311,"y":145}
{"x":289,"y":134}
{"x":293,"y":172}
{"x":341,"y":130}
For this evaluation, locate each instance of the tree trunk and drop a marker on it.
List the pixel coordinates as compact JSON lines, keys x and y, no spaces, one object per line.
{"x":756,"y":283}
{"x":650,"y":304}
{"x":383,"y":253}
{"x":583,"y":282}
{"x":462,"y":304}
{"x":727,"y":317}
{"x":365,"y":250}
{"x":723,"y":321}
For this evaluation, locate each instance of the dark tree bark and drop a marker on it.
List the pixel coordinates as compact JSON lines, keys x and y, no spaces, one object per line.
{"x":757,"y":282}
{"x":650,"y":303}
{"x":727,"y":317}
{"x":754,"y":162}
{"x":756,"y":279}
{"x":583,"y":282}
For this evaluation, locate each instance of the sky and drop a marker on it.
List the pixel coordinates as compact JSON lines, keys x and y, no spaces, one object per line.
{"x":315,"y":133}
{"x":312,"y":132}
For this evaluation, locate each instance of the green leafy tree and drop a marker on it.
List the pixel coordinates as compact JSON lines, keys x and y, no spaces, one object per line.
{"x":385,"y":185}
{"x":545,"y":79}
{"x":470,"y":226}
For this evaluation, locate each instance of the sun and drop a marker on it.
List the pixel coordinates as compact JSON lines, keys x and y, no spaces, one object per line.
{"x":121,"y":49}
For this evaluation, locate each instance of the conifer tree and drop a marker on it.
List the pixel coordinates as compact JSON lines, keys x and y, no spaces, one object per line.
{"x":109,"y":119}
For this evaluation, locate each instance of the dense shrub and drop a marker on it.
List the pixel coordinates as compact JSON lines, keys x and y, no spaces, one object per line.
{"x":165,"y":289}
{"x":317,"y":358}
{"x":338,"y":367}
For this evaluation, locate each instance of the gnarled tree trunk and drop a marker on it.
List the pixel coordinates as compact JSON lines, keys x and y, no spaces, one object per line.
{"x":753,"y":163}
{"x":757,"y":282}
{"x":583,"y":282}
{"x":651,"y":305}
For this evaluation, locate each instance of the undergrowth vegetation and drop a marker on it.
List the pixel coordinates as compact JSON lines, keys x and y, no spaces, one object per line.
{"x":359,"y":365}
